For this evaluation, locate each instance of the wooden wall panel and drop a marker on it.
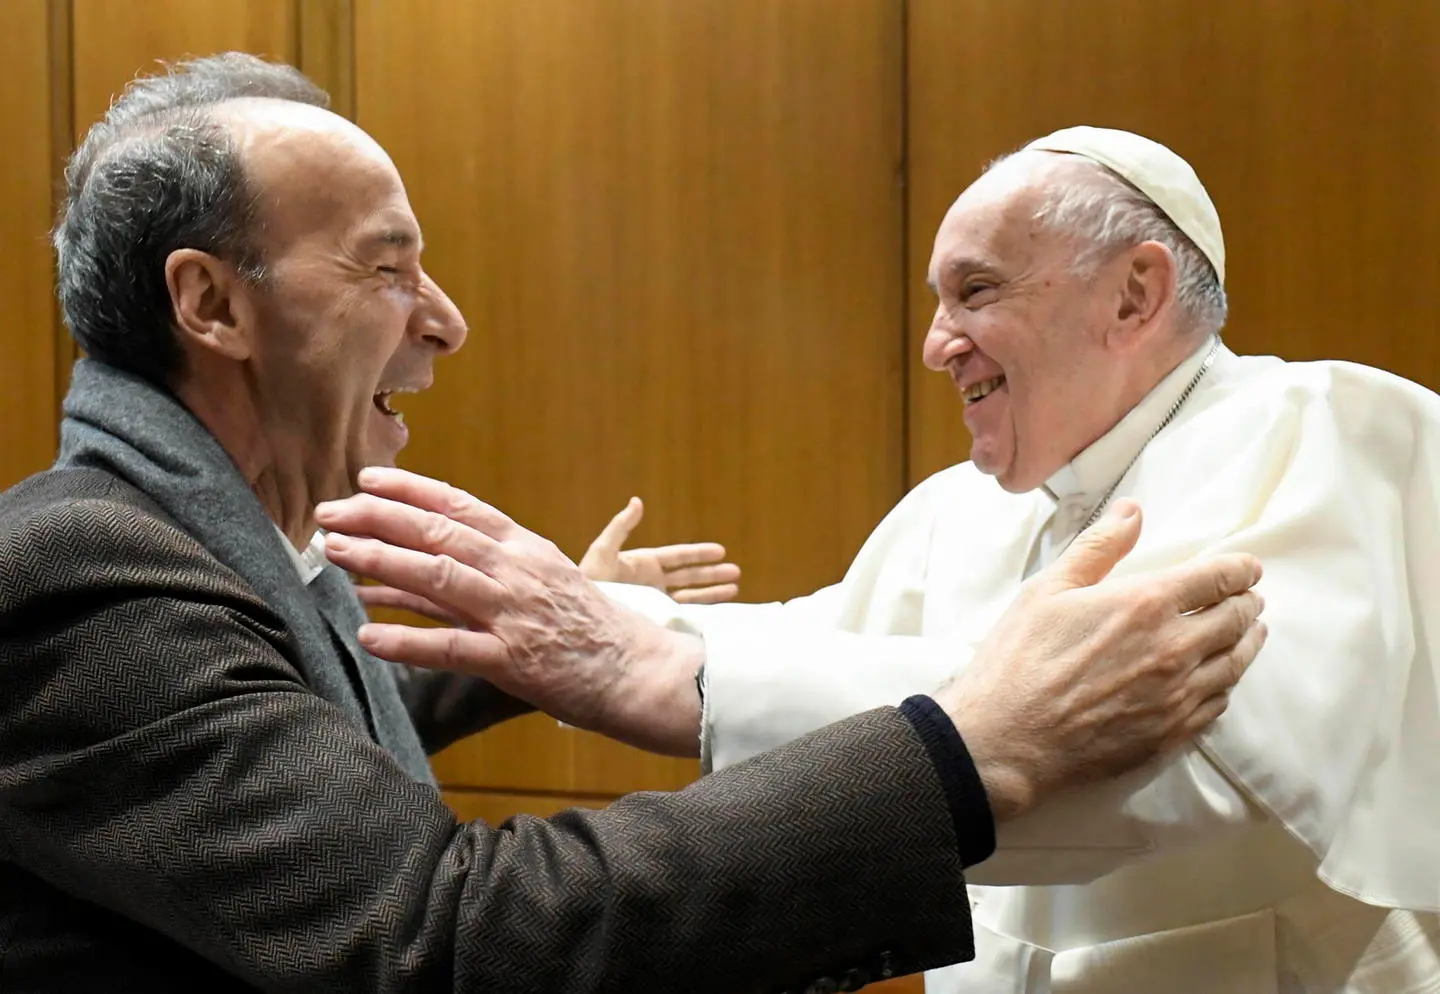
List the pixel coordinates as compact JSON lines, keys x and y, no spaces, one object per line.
{"x":28,"y":400}
{"x":116,"y":40}
{"x":1311,"y":124}
{"x":326,"y":43}
{"x":676,"y":231}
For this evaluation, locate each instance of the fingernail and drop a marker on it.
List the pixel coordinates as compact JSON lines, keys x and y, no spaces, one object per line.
{"x":367,"y":477}
{"x":1129,"y":511}
{"x":336,"y":542}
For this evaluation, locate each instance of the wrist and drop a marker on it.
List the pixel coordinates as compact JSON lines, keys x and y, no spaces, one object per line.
{"x":998,"y":753}
{"x":657,"y":706}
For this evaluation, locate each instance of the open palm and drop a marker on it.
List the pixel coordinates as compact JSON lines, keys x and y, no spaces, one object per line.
{"x":694,"y":573}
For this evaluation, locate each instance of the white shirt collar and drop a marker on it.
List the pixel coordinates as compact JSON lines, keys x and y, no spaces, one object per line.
{"x":1105,"y":460}
{"x":310,"y":562}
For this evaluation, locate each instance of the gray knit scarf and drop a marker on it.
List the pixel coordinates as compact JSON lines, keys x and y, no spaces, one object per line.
{"x":132,"y":429}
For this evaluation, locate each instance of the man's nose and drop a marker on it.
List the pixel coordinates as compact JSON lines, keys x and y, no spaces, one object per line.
{"x":944,"y":342}
{"x":437,"y":321}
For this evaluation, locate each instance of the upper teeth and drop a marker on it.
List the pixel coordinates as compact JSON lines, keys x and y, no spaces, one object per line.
{"x":382,"y":397}
{"x":981,"y":390}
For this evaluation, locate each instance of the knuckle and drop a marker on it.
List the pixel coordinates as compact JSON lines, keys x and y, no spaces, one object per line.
{"x":456,"y":501}
{"x":1254,"y":604}
{"x":450,"y":649}
{"x":1172,"y":665}
{"x":443,"y":572}
{"x":434,"y":530}
{"x":1239,"y":618}
{"x":1236,"y":661}
{"x":1149,"y":607}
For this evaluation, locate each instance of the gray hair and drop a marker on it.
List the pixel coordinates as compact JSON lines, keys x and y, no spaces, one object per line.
{"x":157,"y":174}
{"x":1108,"y":215}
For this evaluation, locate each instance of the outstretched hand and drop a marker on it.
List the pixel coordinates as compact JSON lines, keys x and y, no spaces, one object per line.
{"x":695,"y":573}
{"x":521,"y":614}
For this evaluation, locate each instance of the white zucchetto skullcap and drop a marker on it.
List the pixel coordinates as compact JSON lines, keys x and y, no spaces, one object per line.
{"x":1155,"y":171}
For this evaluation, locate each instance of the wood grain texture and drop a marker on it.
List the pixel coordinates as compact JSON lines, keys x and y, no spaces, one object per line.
{"x":116,"y":40}
{"x":326,"y":44}
{"x":28,"y":327}
{"x":1311,"y":124}
{"x":675,"y":230}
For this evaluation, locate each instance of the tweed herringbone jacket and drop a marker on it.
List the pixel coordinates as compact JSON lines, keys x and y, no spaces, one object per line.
{"x":179,"y":811}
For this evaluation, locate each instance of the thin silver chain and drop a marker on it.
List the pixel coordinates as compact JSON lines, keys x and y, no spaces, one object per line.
{"x":1174,"y":410}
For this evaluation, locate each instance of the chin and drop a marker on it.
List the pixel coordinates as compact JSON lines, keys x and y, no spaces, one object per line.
{"x":988,"y":464}
{"x":1013,"y":485}
{"x":1006,"y":475}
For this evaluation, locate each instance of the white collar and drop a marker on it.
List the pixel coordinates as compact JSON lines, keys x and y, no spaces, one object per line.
{"x":1098,"y":466}
{"x":310,"y":562}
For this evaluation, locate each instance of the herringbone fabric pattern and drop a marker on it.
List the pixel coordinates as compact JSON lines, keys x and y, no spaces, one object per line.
{"x":179,"y":811}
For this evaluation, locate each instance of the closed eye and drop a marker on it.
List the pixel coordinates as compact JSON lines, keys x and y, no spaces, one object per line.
{"x":976,"y":294}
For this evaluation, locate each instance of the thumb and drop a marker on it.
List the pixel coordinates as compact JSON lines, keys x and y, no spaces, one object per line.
{"x":613,"y":538}
{"x":1097,"y":549}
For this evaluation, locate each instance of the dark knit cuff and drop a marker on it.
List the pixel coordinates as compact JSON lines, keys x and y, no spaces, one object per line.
{"x":969,"y":806}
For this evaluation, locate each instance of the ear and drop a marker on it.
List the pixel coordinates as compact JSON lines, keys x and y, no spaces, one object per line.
{"x":1147,"y":292}
{"x":207,"y":299}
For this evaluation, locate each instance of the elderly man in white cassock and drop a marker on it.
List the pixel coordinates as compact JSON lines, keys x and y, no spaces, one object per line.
{"x":1296,"y":848}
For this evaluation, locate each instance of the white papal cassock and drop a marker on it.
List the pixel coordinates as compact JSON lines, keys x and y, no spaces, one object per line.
{"x":1296,"y":846}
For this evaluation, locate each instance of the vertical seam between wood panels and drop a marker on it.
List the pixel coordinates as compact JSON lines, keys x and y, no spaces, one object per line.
{"x":60,"y":68}
{"x":906,"y":401}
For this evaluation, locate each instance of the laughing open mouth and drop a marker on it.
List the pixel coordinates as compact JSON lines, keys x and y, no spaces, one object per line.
{"x":382,"y":400}
{"x":979,"y":391}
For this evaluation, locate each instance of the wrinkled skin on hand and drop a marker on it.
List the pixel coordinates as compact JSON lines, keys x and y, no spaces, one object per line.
{"x":525,"y":617}
{"x":1082,"y":679}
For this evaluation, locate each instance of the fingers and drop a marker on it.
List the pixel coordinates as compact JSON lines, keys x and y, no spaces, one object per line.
{"x":717,"y":594}
{"x":614,"y":536}
{"x":476,"y":653}
{"x":399,"y":524}
{"x":1199,"y":585}
{"x":1097,"y":549}
{"x":451,"y":585}
{"x":426,"y":494}
{"x":389,"y":597}
{"x":693,"y":554}
{"x":702,"y":576}
{"x":1218,"y":629}
{"x":1199,"y":719}
{"x":1224,"y":668}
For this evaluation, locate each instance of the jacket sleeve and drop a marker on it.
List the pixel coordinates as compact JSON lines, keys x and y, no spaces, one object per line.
{"x":161,"y":757}
{"x":447,"y":707}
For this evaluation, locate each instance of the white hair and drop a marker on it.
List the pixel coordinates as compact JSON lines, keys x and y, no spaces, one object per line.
{"x":1108,"y":215}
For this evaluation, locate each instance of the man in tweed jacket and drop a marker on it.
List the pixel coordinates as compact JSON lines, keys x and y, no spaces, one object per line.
{"x":206,"y":782}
